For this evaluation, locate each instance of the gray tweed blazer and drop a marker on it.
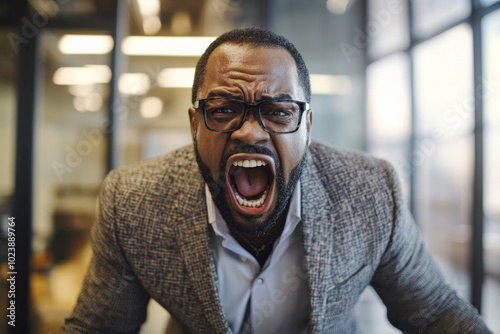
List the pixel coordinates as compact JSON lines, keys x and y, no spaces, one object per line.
{"x":151,"y":240}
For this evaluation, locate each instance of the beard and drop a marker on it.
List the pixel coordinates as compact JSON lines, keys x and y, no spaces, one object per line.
{"x":218,"y":188}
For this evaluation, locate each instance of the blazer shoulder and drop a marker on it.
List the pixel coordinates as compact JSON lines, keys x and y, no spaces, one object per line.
{"x":353,"y":172}
{"x":178,"y":159}
{"x":158,"y":177}
{"x":331,"y":158}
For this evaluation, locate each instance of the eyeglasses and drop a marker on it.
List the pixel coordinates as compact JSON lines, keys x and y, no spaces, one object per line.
{"x":227,"y":115}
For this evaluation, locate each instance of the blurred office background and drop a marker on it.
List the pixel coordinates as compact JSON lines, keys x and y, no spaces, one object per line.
{"x":90,"y":85}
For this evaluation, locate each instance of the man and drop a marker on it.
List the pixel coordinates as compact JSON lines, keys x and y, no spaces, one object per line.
{"x":256,"y":229}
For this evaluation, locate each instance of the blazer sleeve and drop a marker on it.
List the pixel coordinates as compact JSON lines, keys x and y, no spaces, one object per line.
{"x":411,"y":285}
{"x":112,"y":300}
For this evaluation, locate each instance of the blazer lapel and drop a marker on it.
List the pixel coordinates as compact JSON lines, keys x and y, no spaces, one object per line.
{"x":194,"y":244}
{"x":326,"y":259}
{"x":316,"y":242}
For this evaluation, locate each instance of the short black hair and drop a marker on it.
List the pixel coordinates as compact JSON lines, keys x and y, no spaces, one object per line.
{"x":255,"y":37}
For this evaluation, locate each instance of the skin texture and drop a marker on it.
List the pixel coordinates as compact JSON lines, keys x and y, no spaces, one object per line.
{"x":250,"y":74}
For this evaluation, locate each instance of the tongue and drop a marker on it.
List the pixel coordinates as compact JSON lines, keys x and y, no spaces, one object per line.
{"x":251,"y":181}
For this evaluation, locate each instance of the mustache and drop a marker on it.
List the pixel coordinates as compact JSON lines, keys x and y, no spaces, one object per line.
{"x":246,"y":148}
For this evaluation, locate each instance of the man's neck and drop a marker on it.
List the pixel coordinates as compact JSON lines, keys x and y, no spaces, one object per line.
{"x":261,"y":246}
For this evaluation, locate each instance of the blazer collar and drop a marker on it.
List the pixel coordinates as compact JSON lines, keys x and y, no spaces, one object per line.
{"x":326,"y":261}
{"x":194,"y":244}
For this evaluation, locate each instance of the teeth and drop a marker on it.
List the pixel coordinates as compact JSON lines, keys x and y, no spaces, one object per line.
{"x":249,"y":163}
{"x":251,"y":203}
{"x":241,"y":200}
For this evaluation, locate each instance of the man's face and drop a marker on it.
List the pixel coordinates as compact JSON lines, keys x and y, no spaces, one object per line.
{"x":250,"y":198}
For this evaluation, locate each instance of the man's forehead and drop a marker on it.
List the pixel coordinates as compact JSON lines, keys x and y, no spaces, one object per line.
{"x":249,"y":54}
{"x":269,"y":70}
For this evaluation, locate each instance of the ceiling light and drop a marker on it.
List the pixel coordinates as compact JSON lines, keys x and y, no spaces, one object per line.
{"x":151,"y":107}
{"x":93,"y":102}
{"x":165,"y":46}
{"x":151,"y":25}
{"x":85,"y":44}
{"x":176,"y":77}
{"x":148,"y":7}
{"x":323,"y":84}
{"x":79,"y":103}
{"x":133,"y":83}
{"x":80,"y":90}
{"x":89,"y":74}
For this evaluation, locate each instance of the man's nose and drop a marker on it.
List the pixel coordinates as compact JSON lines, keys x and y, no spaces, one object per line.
{"x":250,"y":131}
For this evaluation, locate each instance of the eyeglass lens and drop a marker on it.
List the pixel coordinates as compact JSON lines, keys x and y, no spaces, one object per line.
{"x":277,"y":116}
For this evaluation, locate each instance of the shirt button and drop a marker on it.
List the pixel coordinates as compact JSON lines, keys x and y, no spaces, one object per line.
{"x":243,"y":259}
{"x":260,"y":281}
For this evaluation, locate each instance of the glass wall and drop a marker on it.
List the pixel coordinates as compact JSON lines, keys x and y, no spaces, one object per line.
{"x":389,"y":114}
{"x":432,"y":15}
{"x":424,"y":94}
{"x":387,"y":26}
{"x":443,"y":156}
{"x":333,"y":50}
{"x":70,"y":151}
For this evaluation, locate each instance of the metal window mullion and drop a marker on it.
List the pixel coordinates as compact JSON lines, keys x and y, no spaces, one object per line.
{"x":28,"y":73}
{"x":476,"y":265}
{"x":364,"y":132}
{"x":118,"y":33}
{"x":413,"y":114}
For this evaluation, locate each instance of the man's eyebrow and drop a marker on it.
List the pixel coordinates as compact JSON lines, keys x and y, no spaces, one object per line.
{"x":280,"y":96}
{"x":226,"y":95}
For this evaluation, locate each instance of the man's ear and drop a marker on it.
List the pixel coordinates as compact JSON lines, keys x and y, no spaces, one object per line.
{"x":192,"y":121}
{"x":309,"y":119}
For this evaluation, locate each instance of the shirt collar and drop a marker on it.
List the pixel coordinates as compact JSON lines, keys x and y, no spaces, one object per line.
{"x":220,"y":227}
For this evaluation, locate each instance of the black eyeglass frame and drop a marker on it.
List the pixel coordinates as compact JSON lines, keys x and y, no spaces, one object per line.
{"x":201,"y":105}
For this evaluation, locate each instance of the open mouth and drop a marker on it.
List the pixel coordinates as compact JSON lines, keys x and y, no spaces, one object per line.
{"x":250,"y":178}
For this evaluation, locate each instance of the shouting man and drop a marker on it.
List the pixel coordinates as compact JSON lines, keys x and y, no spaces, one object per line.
{"x":255,"y":228}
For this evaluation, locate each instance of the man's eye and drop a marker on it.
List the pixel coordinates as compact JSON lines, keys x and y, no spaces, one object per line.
{"x":222,"y":111}
{"x":277,"y":113}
